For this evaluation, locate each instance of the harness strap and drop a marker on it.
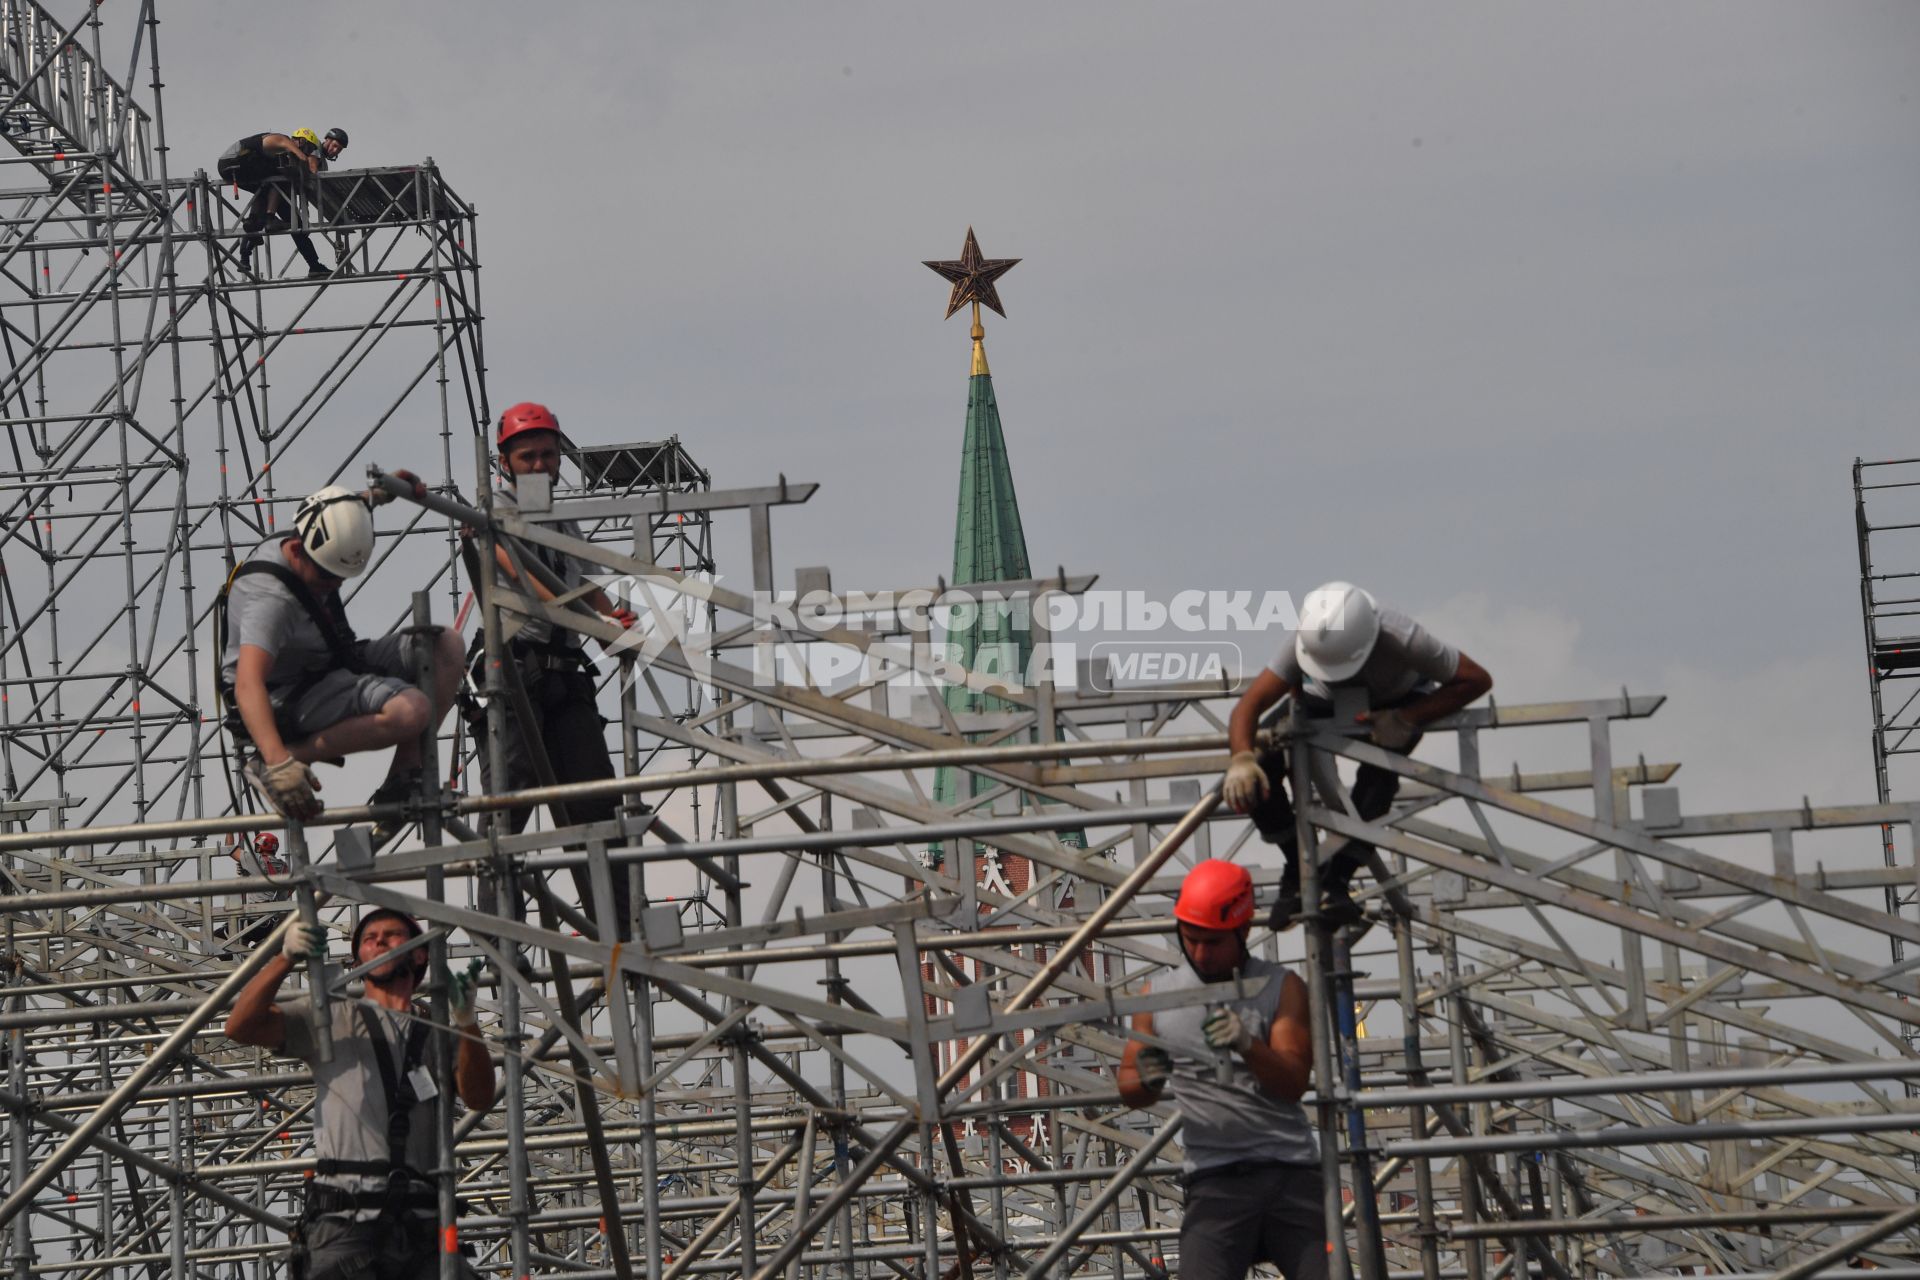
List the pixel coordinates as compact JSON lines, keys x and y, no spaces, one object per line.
{"x":398,"y":1085}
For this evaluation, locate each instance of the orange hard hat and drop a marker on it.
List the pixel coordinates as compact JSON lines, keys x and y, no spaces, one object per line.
{"x":1215,"y":895}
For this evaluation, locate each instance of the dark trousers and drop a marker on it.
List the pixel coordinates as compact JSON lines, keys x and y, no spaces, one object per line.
{"x":272,"y":209}
{"x":392,"y":1247}
{"x":1273,"y":1213}
{"x":567,"y":716}
{"x":1373,"y":792}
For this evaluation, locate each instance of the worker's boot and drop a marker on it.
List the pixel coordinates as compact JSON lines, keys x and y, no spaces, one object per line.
{"x":1337,"y":906}
{"x":397,"y":789}
{"x":304,"y":244}
{"x":1286,"y":907}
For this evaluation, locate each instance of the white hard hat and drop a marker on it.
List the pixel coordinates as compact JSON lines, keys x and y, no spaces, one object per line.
{"x":336,"y":527}
{"x":1338,"y":625}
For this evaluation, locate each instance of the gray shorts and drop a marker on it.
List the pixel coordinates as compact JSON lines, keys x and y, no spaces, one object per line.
{"x":338,"y":1248}
{"x":341,"y":695}
{"x":1272,"y":1213}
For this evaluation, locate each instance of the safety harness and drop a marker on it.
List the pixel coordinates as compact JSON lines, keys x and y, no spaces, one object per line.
{"x":406,"y":1186}
{"x":328,"y":616}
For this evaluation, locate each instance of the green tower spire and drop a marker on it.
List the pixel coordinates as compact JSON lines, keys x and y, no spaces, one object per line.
{"x":989,"y":545}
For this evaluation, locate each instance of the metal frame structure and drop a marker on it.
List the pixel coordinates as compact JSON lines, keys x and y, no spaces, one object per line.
{"x":1886,"y":511}
{"x":1586,"y":1033}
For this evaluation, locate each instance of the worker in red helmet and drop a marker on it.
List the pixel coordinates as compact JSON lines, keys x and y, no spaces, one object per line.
{"x":255,"y":857}
{"x":552,"y":661}
{"x":1243,"y":1055}
{"x":371,"y":1208}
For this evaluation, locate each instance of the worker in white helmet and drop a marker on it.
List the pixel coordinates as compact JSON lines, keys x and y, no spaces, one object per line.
{"x":1411,"y":677}
{"x":299,"y":686}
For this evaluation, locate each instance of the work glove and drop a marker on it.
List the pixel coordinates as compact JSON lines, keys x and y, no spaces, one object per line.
{"x":303,"y":941}
{"x":1154,"y":1066}
{"x":623,"y":615}
{"x":1224,"y":1030}
{"x":1246,"y":783}
{"x":1392,"y":730}
{"x":288,"y":788}
{"x":460,"y":992}
{"x":380,"y":496}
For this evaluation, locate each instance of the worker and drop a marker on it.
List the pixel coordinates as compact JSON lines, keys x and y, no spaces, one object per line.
{"x":1242,"y":1058}
{"x":371,"y":1204}
{"x":259,"y":164}
{"x":1345,"y":640}
{"x":255,"y":856}
{"x":551,"y":661}
{"x":301,"y":687}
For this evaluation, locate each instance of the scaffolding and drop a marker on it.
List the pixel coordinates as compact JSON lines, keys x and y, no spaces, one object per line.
{"x":1585,"y":1032}
{"x":1886,"y":513}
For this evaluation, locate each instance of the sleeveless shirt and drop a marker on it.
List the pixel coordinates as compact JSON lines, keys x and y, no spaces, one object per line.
{"x":1234,"y":1120}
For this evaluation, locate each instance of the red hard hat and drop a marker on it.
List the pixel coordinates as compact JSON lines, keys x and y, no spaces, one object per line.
{"x":1215,"y":895}
{"x":525,"y":416}
{"x":266,"y":843}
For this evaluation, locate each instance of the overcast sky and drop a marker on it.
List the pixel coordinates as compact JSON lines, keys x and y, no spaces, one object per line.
{"x":1559,"y":326}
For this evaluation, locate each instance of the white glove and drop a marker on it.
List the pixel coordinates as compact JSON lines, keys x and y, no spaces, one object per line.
{"x":1246,"y":783}
{"x":289,"y":788}
{"x":1224,"y":1030}
{"x":1154,"y":1066}
{"x":303,"y":941}
{"x":1393,"y":730}
{"x":460,"y":991}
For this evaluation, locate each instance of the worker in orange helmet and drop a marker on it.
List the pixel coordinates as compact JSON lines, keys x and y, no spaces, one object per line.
{"x":1244,"y":1056}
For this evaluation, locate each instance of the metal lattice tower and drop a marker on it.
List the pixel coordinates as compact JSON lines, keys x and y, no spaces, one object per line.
{"x":1886,"y":507}
{"x":1603,"y":1035}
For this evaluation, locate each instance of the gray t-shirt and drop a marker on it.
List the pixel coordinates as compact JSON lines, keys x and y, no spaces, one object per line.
{"x":1235,"y":1120}
{"x":1405,"y":656}
{"x":261,"y":611}
{"x":571,"y":570}
{"x":350,"y":1100}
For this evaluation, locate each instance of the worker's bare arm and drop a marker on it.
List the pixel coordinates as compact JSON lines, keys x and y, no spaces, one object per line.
{"x":473,"y":1073}
{"x":256,"y":1019}
{"x":1132,"y":1091}
{"x":1266,"y":689}
{"x":1470,"y":681}
{"x":505,"y":561}
{"x":1283,"y":1062}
